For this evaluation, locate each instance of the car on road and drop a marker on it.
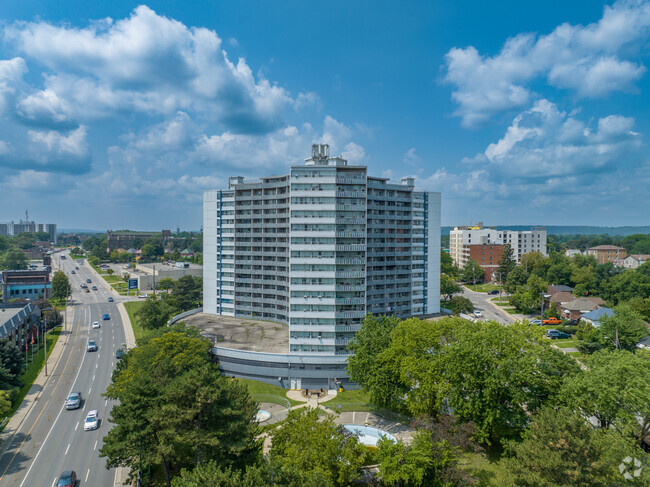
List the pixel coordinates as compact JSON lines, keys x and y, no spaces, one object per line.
{"x":76,"y":267}
{"x":552,"y":321}
{"x":494,"y":291}
{"x":92,"y":346}
{"x":67,"y":479}
{"x":119,"y":353}
{"x":94,"y":288}
{"x":84,"y":286}
{"x":142,"y":296}
{"x":106,"y":317}
{"x":88,"y":281}
{"x":554,"y":334}
{"x":86,"y":290}
{"x":92,"y":421}
{"x":73,"y":401}
{"x":72,"y":271}
{"x":110,"y":299}
{"x":535,"y":322}
{"x":95,"y":324}
{"x":477,"y":314}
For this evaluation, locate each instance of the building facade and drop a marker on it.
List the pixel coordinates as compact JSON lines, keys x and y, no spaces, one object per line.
{"x":125,"y":239}
{"x":607,"y":253}
{"x":522,"y":242}
{"x":25,"y":285}
{"x":319,"y":248}
{"x":487,"y":256}
{"x":26,"y":226}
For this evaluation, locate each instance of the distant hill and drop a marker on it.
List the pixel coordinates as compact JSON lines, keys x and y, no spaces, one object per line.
{"x":573,"y":230}
{"x":78,"y":230}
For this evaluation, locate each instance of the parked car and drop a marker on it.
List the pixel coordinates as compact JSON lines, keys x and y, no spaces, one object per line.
{"x":92,"y":421}
{"x":535,"y":322}
{"x":92,"y":346}
{"x":110,"y":299}
{"x":67,"y":479}
{"x":119,"y":353}
{"x":477,"y":314}
{"x":73,"y":401}
{"x":106,"y":317}
{"x":494,"y":291}
{"x":552,"y":321}
{"x":142,"y":296}
{"x":554,"y":334}
{"x":95,"y":324}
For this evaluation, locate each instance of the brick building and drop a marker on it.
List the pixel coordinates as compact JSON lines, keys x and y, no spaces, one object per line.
{"x":607,"y":253}
{"x":487,"y":256}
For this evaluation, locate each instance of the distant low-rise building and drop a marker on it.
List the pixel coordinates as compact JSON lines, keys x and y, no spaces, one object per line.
{"x":574,"y":310}
{"x":487,"y":256}
{"x":26,"y":226}
{"x":607,"y":253}
{"x":187,"y":253}
{"x":573,"y":252}
{"x":126,"y":238}
{"x":29,"y":285}
{"x":635,"y":260}
{"x":594,"y":317}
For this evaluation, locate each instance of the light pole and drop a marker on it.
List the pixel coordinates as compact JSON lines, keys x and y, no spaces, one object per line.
{"x":45,"y":334}
{"x":616,"y":343}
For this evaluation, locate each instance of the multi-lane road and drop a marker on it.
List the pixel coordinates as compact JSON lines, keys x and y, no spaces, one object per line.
{"x":52,"y":439}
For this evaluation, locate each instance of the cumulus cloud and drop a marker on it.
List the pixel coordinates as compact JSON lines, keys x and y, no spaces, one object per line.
{"x":588,"y":60}
{"x":145,"y":63}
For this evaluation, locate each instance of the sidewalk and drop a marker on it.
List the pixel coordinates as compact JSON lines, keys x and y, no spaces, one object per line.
{"x":34,"y":394}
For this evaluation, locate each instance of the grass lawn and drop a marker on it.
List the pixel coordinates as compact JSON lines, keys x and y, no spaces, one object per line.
{"x":131,"y":308}
{"x":33,"y":369}
{"x":487,"y":472}
{"x":350,"y":401}
{"x":483,"y":288}
{"x":263,"y":392}
{"x":75,"y":257}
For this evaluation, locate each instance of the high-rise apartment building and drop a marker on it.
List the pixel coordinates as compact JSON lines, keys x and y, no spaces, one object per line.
{"x":462,"y":238}
{"x":27,"y":226}
{"x":319,"y":248}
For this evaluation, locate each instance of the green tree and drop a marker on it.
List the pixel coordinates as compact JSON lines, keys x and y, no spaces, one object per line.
{"x":431,"y":459}
{"x":447,"y":265}
{"x":613,"y":388}
{"x":496,"y":375}
{"x":60,"y":286}
{"x":187,"y":292}
{"x":535,"y":263}
{"x":507,"y":263}
{"x":305,"y":444}
{"x":625,"y":325}
{"x":176,"y":410}
{"x":558,"y":448}
{"x":5,"y":403}
{"x":209,"y":474}
{"x":448,"y":287}
{"x":99,"y":252}
{"x":516,"y":279}
{"x":4,"y":244}
{"x":11,"y":360}
{"x":627,"y":285}
{"x":461,"y":304}
{"x":378,"y":378}
{"x":559,"y":274}
{"x":165,"y":283}
{"x":13,"y":259}
{"x":154,"y":313}
{"x":472,"y":272}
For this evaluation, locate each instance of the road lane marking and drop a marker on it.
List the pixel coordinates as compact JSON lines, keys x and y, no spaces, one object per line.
{"x":89,"y":390}
{"x":54,"y":482}
{"x":66,"y":450}
{"x":87,"y":473}
{"x":93,"y":377}
{"x":95,"y":445}
{"x":76,"y":426}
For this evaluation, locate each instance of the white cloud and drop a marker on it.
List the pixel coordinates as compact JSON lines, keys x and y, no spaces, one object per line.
{"x":588,"y":60}
{"x":411,"y":158}
{"x":146,"y":63}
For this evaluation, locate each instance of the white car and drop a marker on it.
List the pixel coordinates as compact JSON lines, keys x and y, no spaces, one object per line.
{"x":95,"y":324}
{"x":477,"y":314}
{"x":92,"y":421}
{"x":143,"y":296}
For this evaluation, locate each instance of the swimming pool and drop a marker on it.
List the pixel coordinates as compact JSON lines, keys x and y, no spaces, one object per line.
{"x":368,"y":435}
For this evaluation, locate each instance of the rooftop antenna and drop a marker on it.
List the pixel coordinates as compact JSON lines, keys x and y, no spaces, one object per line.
{"x":26,"y":215}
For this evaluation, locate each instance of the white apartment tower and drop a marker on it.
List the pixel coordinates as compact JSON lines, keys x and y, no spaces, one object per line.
{"x":320,"y":248}
{"x":521,"y":242}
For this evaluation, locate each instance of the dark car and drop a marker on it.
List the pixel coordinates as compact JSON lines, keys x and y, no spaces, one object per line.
{"x":110,"y":299}
{"x":494,"y":291}
{"x":73,"y":401}
{"x":94,"y":288}
{"x":106,"y":317}
{"x":88,"y":281}
{"x":119,"y":353}
{"x":67,"y":479}
{"x":554,"y":334}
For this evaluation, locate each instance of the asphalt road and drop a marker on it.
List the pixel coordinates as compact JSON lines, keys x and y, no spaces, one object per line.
{"x":51,"y":438}
{"x":488,"y":311}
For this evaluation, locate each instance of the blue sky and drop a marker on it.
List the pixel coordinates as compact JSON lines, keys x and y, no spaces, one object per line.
{"x":120,"y":115}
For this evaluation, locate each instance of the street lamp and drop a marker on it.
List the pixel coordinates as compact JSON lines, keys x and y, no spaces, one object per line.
{"x":616,"y":344}
{"x":45,"y":334}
